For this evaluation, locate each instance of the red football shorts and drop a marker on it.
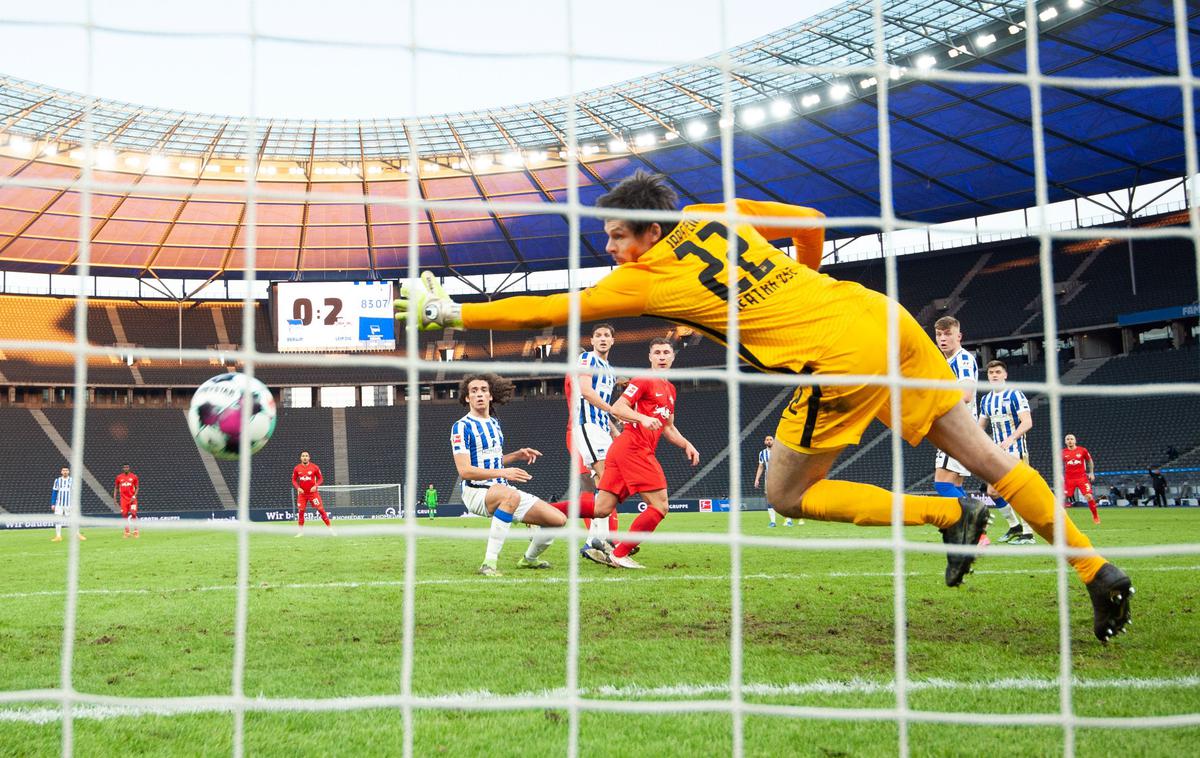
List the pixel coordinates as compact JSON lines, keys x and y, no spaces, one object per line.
{"x":305,"y":499}
{"x":128,"y":505}
{"x":1083,"y":485}
{"x":629,"y":470}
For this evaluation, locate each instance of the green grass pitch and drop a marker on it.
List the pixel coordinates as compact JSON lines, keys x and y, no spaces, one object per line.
{"x":156,"y":619}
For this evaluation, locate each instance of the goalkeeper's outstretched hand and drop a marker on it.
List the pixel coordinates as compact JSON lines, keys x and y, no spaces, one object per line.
{"x":435,"y":309}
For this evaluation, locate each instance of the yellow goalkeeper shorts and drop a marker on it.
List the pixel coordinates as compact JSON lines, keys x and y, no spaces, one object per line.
{"x":821,"y":418}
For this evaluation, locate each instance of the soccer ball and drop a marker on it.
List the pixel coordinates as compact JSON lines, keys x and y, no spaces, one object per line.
{"x":215,"y":416}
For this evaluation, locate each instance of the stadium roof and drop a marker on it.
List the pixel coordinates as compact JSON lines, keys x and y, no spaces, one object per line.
{"x":805,"y":132}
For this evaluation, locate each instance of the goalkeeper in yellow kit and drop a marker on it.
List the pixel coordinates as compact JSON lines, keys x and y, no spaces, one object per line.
{"x":792,"y":319}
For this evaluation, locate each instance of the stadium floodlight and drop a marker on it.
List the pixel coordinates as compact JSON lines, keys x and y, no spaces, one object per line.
{"x":187,"y":165}
{"x":985,"y":40}
{"x":537,"y":156}
{"x":645,"y":139}
{"x":482,"y":162}
{"x":617,"y":146}
{"x":50,"y":150}
{"x":1074,"y":4}
{"x":697,"y":129}
{"x":133,"y":161}
{"x":670,"y":135}
{"x":896,"y":72}
{"x":212,"y":168}
{"x":270,"y":170}
{"x":810,"y":100}
{"x":344,"y":170}
{"x":239,"y":169}
{"x":868,"y":83}
{"x":1048,"y":14}
{"x":296,"y":171}
{"x":780,"y":108}
{"x":1014,"y":29}
{"x":753,"y":116}
{"x":839,"y":92}
{"x":375,"y":169}
{"x":105,"y":158}
{"x":156,"y":163}
{"x":512,"y":160}
{"x":591,"y":149}
{"x":21,"y":146}
{"x":926,"y":62}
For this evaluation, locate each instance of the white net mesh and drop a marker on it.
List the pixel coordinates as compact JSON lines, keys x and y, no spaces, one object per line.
{"x":738,"y":699}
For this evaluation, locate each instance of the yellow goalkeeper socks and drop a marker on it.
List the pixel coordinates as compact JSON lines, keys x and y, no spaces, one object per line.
{"x":868,"y":505}
{"x":1031,"y":497}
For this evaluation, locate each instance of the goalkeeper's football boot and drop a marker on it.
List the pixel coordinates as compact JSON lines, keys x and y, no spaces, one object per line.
{"x":966,"y":531}
{"x":1012,"y":533}
{"x":1110,"y":591}
{"x":488,"y":570}
{"x":536,"y":563}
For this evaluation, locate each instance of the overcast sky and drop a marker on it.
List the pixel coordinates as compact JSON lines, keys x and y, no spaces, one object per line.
{"x":198,"y":55}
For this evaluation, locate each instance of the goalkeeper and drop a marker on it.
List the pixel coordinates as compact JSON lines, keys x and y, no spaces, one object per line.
{"x":795,"y":320}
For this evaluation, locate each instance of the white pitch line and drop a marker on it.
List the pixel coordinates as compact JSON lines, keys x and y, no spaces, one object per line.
{"x":626,"y":692}
{"x":615,"y":578}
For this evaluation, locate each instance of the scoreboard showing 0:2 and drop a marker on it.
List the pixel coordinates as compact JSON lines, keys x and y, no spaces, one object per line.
{"x":334,"y":316}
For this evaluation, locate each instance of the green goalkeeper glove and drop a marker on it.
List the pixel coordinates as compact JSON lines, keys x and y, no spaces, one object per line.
{"x":435,"y":309}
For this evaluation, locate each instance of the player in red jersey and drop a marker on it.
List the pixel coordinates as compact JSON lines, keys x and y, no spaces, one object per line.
{"x":306,"y":478}
{"x":648,"y":407}
{"x":1079,"y":471}
{"x":125,"y":492}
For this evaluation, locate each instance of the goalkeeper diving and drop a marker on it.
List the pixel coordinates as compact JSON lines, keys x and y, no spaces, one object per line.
{"x":793,"y":319}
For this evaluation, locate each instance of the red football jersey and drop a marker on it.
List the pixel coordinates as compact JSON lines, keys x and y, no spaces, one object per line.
{"x":127,"y":485}
{"x":1075,"y":462}
{"x":649,"y":396}
{"x":307,"y":478}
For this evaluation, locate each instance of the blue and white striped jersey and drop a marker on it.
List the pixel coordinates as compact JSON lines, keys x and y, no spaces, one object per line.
{"x":61,"y":491}
{"x":483,"y":440}
{"x":603,"y":382}
{"x":966,"y":371}
{"x":764,"y":457}
{"x":1002,"y":408}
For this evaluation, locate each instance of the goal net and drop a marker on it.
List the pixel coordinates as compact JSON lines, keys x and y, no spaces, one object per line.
{"x":349,"y":500}
{"x":869,"y":83}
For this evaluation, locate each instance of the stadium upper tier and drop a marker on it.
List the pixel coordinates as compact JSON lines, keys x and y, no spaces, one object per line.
{"x":170,"y":187}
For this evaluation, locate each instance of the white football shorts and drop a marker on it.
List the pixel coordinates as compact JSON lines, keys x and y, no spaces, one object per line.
{"x":62,"y":510}
{"x":943,"y":460}
{"x":591,"y":441}
{"x":473,"y":498}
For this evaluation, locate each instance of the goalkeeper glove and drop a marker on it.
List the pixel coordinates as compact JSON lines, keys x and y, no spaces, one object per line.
{"x":435,"y":309}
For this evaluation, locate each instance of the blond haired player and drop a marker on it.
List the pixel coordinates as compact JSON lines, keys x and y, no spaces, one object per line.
{"x":793,"y":319}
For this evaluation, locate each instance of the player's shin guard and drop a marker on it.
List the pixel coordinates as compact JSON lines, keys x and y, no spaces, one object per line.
{"x":1032,"y":498}
{"x":587,"y":506}
{"x":1092,"y":506}
{"x":300,"y":514}
{"x":501,"y":522}
{"x":868,"y":505}
{"x":1007,"y":511}
{"x":647,"y":521}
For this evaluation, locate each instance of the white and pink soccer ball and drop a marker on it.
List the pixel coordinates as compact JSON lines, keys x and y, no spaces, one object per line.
{"x":215,"y":416}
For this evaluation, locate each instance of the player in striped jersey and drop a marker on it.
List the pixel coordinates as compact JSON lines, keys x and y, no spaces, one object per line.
{"x":764,"y":463}
{"x":948,"y":473}
{"x":477,"y":441}
{"x":60,"y":501}
{"x":1007,"y":412}
{"x":591,"y":432}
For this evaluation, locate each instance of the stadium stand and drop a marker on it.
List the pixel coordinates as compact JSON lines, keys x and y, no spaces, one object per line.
{"x":29,"y":463}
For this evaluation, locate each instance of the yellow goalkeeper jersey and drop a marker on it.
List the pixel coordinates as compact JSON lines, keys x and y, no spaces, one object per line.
{"x":788,"y":313}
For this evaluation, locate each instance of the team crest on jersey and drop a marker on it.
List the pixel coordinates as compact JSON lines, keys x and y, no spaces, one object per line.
{"x":663,"y":411}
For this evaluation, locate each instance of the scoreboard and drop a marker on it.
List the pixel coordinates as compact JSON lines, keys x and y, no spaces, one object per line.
{"x":334,"y":316}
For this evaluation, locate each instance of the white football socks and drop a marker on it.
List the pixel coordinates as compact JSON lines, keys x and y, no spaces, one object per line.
{"x":501,"y":522}
{"x":538,"y":545}
{"x":771,"y":513}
